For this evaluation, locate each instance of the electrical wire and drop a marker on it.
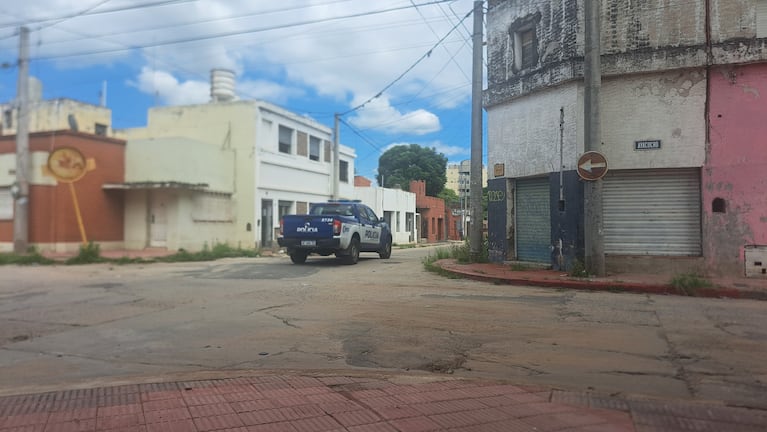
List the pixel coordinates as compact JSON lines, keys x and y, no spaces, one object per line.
{"x":402,"y":75}
{"x":241,"y":32}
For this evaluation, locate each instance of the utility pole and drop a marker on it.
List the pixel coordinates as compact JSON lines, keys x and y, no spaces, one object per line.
{"x":592,"y":74}
{"x":21,"y":207}
{"x":336,"y":176}
{"x":475,"y":235}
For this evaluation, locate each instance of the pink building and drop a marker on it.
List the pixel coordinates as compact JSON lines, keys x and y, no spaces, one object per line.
{"x":734,"y":186}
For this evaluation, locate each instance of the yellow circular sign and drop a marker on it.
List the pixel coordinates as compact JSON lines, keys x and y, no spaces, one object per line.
{"x":67,"y":164}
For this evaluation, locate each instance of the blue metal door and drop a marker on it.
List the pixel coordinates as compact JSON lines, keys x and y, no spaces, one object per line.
{"x":533,"y":220}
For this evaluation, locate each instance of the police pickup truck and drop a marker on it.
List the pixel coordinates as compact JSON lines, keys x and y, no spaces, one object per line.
{"x":341,"y":227}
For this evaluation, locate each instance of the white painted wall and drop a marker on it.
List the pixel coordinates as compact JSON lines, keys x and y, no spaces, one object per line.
{"x":397,"y":201}
{"x":524,"y":133}
{"x":663,"y":106}
{"x":181,"y":160}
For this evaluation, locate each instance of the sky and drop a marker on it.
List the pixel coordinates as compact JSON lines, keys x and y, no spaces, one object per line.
{"x":407,"y":62}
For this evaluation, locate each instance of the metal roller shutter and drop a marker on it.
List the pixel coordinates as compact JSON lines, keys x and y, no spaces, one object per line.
{"x":533,"y":220}
{"x":652,"y":212}
{"x":761,"y":18}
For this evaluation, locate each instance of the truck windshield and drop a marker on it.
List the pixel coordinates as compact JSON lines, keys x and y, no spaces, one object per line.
{"x":332,"y":209}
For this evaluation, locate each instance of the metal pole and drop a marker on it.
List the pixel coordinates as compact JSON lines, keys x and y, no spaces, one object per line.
{"x":592,"y":71}
{"x":475,"y":238}
{"x":336,"y":156}
{"x":21,"y":209}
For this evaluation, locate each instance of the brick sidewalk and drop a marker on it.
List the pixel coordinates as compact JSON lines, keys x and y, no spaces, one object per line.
{"x":298,"y":404}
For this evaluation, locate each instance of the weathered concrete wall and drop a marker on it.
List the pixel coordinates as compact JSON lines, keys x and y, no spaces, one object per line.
{"x":524,"y":135}
{"x":666,"y":106}
{"x":637,"y":37}
{"x":736,"y":170}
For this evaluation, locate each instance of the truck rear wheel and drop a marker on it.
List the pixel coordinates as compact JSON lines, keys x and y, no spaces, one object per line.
{"x":298,"y":257}
{"x":385,"y":252}
{"x":353,"y":252}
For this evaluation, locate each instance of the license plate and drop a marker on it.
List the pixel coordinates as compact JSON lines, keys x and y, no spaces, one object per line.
{"x":308,"y":243}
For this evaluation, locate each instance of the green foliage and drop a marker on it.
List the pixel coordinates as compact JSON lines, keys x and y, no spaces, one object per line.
{"x":32,"y":257}
{"x":403,"y":163}
{"x":89,"y":253}
{"x":578,"y":269}
{"x":451,"y":198}
{"x":688,"y":283}
{"x":219,"y":250}
{"x":460,"y":253}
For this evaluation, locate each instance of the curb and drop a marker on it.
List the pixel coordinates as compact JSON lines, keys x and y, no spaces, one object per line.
{"x":602,"y":285}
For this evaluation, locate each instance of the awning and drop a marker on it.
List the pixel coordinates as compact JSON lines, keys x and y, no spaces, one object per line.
{"x":155,"y":185}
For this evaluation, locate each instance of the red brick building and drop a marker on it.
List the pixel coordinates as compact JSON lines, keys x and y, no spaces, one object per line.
{"x":437,"y":220}
{"x":52,"y":219}
{"x":360,"y":181}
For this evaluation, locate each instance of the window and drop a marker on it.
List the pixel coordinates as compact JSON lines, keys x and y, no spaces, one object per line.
{"x":286,"y":140}
{"x":6,"y":204}
{"x":8,"y":118}
{"x":343,"y":171}
{"x":100,"y":129}
{"x":212,"y":207}
{"x":314,"y":148}
{"x":525,"y":49}
{"x":284,"y":208}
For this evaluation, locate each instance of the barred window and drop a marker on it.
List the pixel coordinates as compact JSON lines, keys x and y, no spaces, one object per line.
{"x":212,"y":207}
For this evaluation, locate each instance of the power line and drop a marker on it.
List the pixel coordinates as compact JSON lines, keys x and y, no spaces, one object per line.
{"x":243,"y":32}
{"x":90,"y":11}
{"x":402,"y":75}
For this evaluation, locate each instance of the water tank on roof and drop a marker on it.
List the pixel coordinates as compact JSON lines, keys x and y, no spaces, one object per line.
{"x":222,"y":82}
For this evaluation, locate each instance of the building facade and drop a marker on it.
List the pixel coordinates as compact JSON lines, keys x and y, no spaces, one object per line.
{"x":676,"y":91}
{"x":396,"y":206}
{"x":225,"y":172}
{"x":52,"y":219}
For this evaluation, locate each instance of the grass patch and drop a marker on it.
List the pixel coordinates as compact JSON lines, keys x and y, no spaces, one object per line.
{"x":578,"y":270}
{"x":32,"y":257}
{"x":462,"y":254}
{"x":88,"y":254}
{"x":521,"y":267}
{"x":219,"y":250}
{"x":689,"y":283}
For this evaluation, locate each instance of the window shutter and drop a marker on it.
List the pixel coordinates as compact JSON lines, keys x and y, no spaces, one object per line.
{"x":302,"y":144}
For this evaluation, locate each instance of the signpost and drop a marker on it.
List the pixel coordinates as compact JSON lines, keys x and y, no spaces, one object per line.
{"x":68,"y":165}
{"x":592,"y":166}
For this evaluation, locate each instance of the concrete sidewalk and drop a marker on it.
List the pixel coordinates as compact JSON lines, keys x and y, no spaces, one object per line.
{"x":344,"y":403}
{"x":639,"y":283}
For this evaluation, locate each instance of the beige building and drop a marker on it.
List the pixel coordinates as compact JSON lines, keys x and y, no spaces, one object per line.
{"x":225,"y":172}
{"x":459,"y":175}
{"x":57,"y":114}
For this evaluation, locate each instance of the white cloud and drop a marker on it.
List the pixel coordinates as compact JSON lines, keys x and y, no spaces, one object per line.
{"x":381,"y":116}
{"x":170,"y":90}
{"x":349,"y":59}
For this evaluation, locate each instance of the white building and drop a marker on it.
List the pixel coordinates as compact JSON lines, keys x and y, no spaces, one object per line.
{"x":396,"y":206}
{"x":225,"y":172}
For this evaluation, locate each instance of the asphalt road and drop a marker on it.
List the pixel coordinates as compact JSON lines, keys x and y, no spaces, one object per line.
{"x":64,"y":327}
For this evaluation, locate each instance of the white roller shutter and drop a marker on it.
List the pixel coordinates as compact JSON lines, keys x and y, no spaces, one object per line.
{"x":652,"y":212}
{"x":761,"y":18}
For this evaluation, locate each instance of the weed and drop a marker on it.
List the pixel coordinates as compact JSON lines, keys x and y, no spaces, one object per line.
{"x":220,"y":250}
{"x":689,"y":283}
{"x":88,"y":254}
{"x":520,"y":267}
{"x":579,"y":270}
{"x":32,"y":257}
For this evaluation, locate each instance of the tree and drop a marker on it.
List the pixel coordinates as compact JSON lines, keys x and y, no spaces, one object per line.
{"x":403,"y":163}
{"x":451,"y":198}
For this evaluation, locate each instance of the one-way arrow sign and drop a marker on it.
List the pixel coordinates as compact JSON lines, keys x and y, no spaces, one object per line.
{"x":592,"y":166}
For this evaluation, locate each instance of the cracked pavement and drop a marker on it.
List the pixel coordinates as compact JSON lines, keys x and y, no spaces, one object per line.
{"x":62,"y":327}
